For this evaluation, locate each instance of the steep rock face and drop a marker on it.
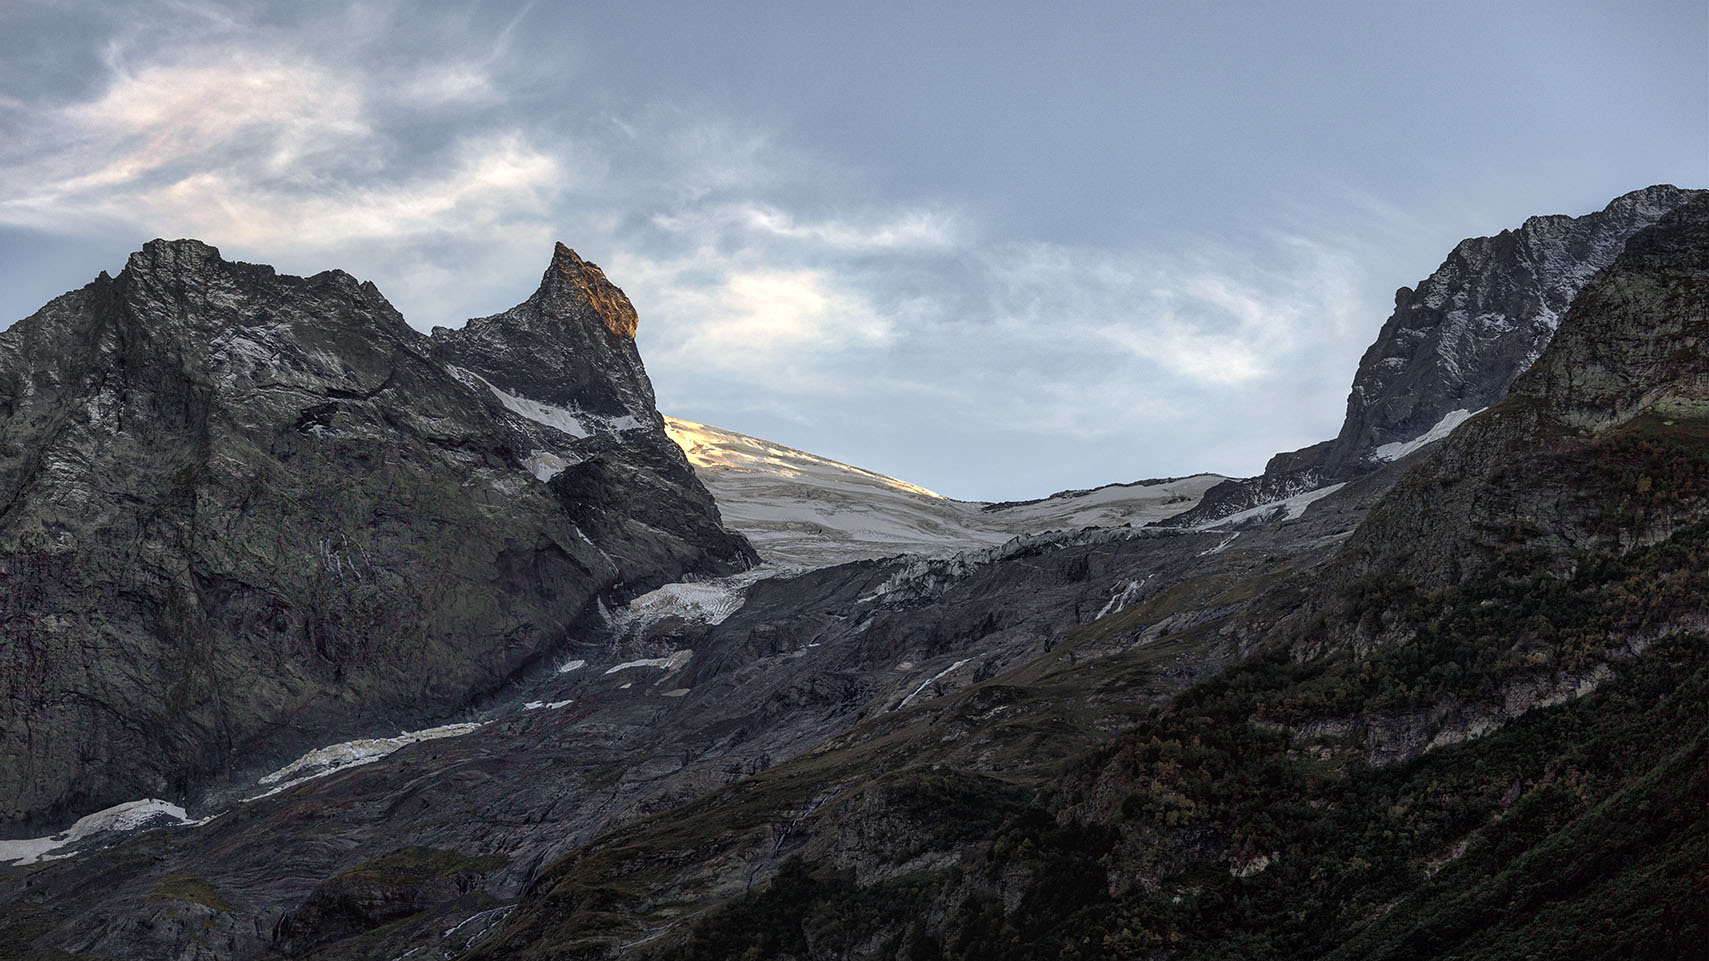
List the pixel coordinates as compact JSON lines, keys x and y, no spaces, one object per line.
{"x":564,"y":365}
{"x":1578,"y":455}
{"x":1458,"y":341}
{"x":1454,"y":345}
{"x":1638,"y":340}
{"x":241,"y":512}
{"x":571,"y":345}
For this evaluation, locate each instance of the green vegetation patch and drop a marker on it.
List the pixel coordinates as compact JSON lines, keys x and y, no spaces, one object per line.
{"x":189,"y":888}
{"x":424,"y":864}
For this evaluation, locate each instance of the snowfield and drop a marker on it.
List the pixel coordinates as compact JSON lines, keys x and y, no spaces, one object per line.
{"x":337,"y":757}
{"x":799,"y":509}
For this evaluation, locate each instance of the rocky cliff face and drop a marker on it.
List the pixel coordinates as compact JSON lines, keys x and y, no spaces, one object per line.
{"x":578,"y":403}
{"x":1461,"y":338}
{"x":241,"y":512}
{"x":1578,"y":457}
{"x":1455,"y":344}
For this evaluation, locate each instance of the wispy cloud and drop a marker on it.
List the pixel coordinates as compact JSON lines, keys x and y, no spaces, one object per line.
{"x":168,"y":122}
{"x":1163,"y":331}
{"x":788,"y":330}
{"x":770,"y":279}
{"x":925,"y":229}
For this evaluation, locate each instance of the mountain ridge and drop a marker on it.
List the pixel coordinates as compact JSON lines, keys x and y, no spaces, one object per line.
{"x":233,"y":498}
{"x":1388,"y":758}
{"x":1454,"y":344}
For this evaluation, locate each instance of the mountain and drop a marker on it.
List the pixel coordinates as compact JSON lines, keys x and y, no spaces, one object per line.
{"x":799,"y":509}
{"x":1451,"y":706}
{"x":1454,"y":344}
{"x":1476,"y":729}
{"x":233,"y":503}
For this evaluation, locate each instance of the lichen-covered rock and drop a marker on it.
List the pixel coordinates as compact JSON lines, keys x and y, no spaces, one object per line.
{"x":242,"y":513}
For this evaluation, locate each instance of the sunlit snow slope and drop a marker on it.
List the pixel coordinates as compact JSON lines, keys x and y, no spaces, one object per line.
{"x":801,"y":509}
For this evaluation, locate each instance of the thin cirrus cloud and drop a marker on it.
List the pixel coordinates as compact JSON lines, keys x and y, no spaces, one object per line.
{"x":257,"y":153}
{"x":168,"y":123}
{"x":1166,"y":330}
{"x":788,"y":330}
{"x":912,"y":230}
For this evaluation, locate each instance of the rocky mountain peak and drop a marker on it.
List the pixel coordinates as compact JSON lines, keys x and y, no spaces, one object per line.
{"x":242,"y":511}
{"x":161,"y":255}
{"x":570,"y":344}
{"x":605,"y":298}
{"x":1638,"y":341}
{"x":1617,"y":407}
{"x":1455,"y":343}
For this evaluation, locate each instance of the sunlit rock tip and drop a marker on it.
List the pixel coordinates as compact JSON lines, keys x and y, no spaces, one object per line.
{"x":161,"y":252}
{"x":606,"y":298}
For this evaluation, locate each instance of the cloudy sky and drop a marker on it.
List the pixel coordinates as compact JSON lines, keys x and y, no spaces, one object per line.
{"x":996,"y":249}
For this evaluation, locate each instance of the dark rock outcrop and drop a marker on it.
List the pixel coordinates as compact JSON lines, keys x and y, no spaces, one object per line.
{"x":242,"y":513}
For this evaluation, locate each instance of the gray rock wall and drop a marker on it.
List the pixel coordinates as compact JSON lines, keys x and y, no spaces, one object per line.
{"x":244,"y":513}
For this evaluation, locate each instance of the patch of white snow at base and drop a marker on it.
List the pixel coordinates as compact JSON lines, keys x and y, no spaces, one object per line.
{"x":120,"y":817}
{"x":1444,"y":427}
{"x":548,"y":705}
{"x":338,"y":757}
{"x":671,"y":663}
{"x":938,"y":676}
{"x":706,"y":602}
{"x":1293,"y":507}
{"x":569,"y":666}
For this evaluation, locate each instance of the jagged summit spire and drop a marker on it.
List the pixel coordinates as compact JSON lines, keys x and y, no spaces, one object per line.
{"x":606,"y":298}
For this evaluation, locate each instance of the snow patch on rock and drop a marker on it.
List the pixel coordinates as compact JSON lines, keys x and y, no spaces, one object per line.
{"x":1443,"y":427}
{"x":548,"y":705}
{"x":707,"y":601}
{"x":338,"y":757}
{"x":671,"y":663}
{"x":556,"y":418}
{"x":1282,"y":510}
{"x":129,"y":816}
{"x":544,"y":465}
{"x":923,"y":684}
